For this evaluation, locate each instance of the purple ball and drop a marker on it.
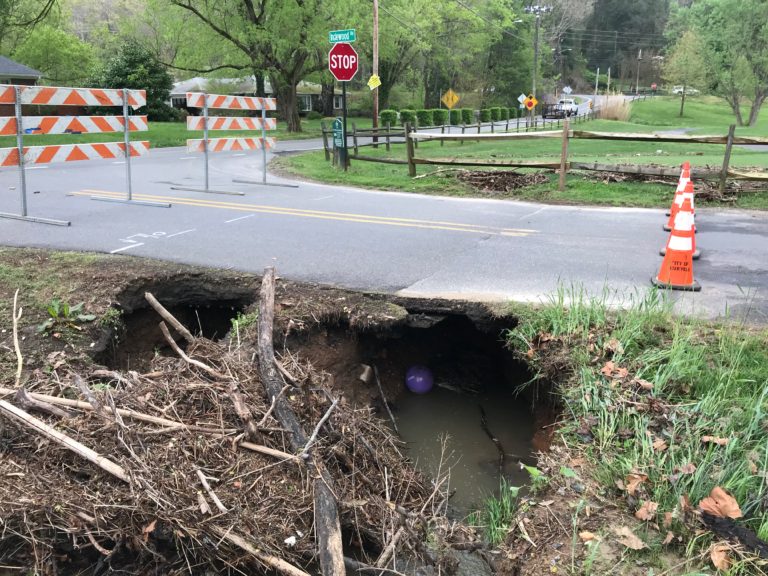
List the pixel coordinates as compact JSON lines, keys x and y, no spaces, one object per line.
{"x":418,"y":379}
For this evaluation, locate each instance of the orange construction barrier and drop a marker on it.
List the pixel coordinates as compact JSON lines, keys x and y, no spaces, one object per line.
{"x":684,"y":192}
{"x":684,"y":220}
{"x":676,"y":270}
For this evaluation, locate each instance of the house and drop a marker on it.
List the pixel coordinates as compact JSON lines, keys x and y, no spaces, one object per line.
{"x":308,"y":92}
{"x":14,"y":73}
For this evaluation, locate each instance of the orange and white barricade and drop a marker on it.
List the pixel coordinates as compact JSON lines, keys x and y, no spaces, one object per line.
{"x":21,"y":126}
{"x":207,"y":123}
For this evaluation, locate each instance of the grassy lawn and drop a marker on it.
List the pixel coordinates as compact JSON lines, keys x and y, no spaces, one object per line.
{"x":164,"y":134}
{"x":658,"y":411}
{"x":703,"y":115}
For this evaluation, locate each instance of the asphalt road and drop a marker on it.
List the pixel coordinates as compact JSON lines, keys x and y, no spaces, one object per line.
{"x":382,"y":241}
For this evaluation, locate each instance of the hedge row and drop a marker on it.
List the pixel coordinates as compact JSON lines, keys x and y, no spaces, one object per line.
{"x":441,"y":116}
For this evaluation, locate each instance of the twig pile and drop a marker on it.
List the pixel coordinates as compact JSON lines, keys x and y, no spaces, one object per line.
{"x":196,"y":472}
{"x":501,"y":180}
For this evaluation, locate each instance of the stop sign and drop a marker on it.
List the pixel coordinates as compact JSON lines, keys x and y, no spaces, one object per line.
{"x":343,"y":61}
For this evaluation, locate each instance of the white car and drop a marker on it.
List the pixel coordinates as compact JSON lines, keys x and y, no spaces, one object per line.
{"x":688,"y":90}
{"x":569,"y":106}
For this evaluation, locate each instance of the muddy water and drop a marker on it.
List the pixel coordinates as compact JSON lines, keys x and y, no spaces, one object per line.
{"x":424,"y":419}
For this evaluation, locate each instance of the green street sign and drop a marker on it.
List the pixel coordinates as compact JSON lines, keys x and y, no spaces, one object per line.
{"x":337,"y":36}
{"x":338,"y":133}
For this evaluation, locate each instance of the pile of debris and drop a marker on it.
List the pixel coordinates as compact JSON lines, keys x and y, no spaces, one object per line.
{"x":501,"y":180}
{"x":221,"y":458}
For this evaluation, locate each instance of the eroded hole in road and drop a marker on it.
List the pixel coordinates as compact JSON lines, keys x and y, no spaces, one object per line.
{"x":472,"y":407}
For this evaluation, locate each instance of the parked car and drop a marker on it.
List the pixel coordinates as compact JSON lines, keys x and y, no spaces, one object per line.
{"x":569,"y":106}
{"x":688,"y":90}
{"x":553,"y":111}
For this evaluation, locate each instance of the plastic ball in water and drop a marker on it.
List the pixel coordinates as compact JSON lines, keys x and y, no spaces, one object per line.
{"x":418,"y":379}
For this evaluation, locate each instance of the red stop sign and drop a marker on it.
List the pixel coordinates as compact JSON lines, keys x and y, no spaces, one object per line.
{"x":343,"y":61}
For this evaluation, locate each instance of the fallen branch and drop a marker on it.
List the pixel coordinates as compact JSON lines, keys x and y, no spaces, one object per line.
{"x":244,"y":413}
{"x":187,"y":359}
{"x":211,"y":493}
{"x":16,"y":347}
{"x":271,"y":561}
{"x":42,"y":428}
{"x":268,"y":413}
{"x":27,"y":402}
{"x":168,"y":317}
{"x":439,"y":172}
{"x":389,"y":551}
{"x":384,"y":398}
{"x":269,"y":451}
{"x":316,"y":431}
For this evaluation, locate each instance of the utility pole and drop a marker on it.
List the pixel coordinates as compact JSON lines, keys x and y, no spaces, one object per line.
{"x":637,"y":82}
{"x":597,"y":81}
{"x":375,"y":65}
{"x":608,"y":87}
{"x":537,"y":11}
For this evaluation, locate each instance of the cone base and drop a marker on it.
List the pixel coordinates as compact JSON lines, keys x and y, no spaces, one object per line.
{"x":696,"y":254}
{"x":667,"y":228}
{"x":695,"y":287}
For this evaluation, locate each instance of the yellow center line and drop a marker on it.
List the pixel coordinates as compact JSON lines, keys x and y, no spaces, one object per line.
{"x":323,"y":215}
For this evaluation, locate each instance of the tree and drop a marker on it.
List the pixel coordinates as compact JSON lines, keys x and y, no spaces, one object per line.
{"x":686,"y":64}
{"x":735,"y":33}
{"x":134,"y":67}
{"x":62,"y":57}
{"x":19,"y":17}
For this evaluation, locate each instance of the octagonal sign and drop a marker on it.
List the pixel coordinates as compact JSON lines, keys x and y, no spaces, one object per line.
{"x":343,"y":62}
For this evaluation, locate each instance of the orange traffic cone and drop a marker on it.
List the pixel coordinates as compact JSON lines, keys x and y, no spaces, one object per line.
{"x":684,"y":191}
{"x":684,"y":221}
{"x":685,"y":177}
{"x":676,"y":270}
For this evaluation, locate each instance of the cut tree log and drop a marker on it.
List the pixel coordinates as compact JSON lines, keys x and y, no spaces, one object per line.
{"x":327,"y":526}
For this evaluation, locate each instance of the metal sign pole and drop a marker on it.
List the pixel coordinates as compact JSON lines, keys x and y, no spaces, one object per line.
{"x":20,"y":146}
{"x":127,"y":143}
{"x":263,"y":146}
{"x":205,"y":138}
{"x":345,"y":151}
{"x":22,"y":170}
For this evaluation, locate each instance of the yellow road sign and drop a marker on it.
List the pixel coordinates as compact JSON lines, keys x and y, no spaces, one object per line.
{"x":450,"y":99}
{"x":374,"y":82}
{"x":530,"y":102}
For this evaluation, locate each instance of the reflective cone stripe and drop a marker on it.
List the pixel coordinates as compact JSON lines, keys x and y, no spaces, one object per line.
{"x":684,"y":225}
{"x":71,"y":153}
{"x":229,"y":144}
{"x":196,"y":100}
{"x":72,"y":124}
{"x":228,"y":123}
{"x":57,"y":96}
{"x":680,"y":197}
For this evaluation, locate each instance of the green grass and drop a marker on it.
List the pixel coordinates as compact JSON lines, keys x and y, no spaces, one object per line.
{"x":708,"y":380}
{"x":163,"y":135}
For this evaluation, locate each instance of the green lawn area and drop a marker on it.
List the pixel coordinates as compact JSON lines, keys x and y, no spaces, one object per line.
{"x":703,"y":115}
{"x":164,"y":134}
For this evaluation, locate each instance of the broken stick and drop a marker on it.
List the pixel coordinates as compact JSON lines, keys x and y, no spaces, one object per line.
{"x":70,"y":443}
{"x":271,"y":561}
{"x":168,"y":317}
{"x":187,"y":359}
{"x":384,"y":398}
{"x":16,"y":347}
{"x":211,"y":493}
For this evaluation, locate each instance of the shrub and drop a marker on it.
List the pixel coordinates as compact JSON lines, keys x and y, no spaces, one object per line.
{"x":485,"y":115}
{"x":440,"y":116}
{"x":424,"y":117}
{"x":467,"y":116}
{"x":614,"y":108}
{"x":388,"y":116}
{"x":495,"y":113}
{"x":455,"y":116}
{"x":407,"y":116}
{"x":504,"y":113}
{"x":314,"y":115}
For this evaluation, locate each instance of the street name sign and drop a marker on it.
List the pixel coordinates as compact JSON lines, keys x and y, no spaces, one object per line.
{"x":338,"y":133}
{"x":343,"y":62}
{"x":346,"y":36}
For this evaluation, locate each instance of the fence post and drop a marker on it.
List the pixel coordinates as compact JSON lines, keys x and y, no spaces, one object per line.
{"x":507,"y":128}
{"x":478,"y":127}
{"x":463,"y":129}
{"x":442,"y":131}
{"x":389,"y":128}
{"x":409,"y":150}
{"x":493,"y":127}
{"x":563,"y":157}
{"x":727,"y":157}
{"x":325,"y":141}
{"x":416,"y":129}
{"x":20,"y":147}
{"x":354,"y":138}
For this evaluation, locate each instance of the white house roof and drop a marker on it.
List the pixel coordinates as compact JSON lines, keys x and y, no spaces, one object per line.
{"x":242,"y":86}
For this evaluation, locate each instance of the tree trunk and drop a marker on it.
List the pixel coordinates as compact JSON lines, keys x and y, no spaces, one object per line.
{"x":287,"y":103}
{"x":757,"y":103}
{"x":326,"y":96}
{"x":682,"y":103}
{"x":261,"y":89}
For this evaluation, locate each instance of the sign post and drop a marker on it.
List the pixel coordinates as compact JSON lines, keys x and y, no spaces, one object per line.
{"x":343,"y":63}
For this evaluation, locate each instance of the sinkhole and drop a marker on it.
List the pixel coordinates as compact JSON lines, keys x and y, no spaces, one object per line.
{"x":475,"y":418}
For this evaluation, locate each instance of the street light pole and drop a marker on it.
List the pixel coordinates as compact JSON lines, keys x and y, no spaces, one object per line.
{"x":375,"y":68}
{"x":537,"y":11}
{"x":637,"y":82}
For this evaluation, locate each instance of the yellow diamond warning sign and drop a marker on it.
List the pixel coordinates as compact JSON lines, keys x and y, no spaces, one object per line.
{"x":450,"y":99}
{"x":530,"y":102}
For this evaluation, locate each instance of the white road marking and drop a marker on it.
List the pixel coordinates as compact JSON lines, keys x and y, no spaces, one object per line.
{"x":238,"y":154}
{"x":127,"y":247}
{"x":533,"y":213}
{"x":241,"y":218}
{"x":187,"y":157}
{"x":36,"y":168}
{"x":324,"y":197}
{"x":122,"y":162}
{"x":180,"y":233}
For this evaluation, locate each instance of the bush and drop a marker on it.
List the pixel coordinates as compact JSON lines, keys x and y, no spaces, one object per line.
{"x":314,"y":115}
{"x":440,"y":116}
{"x":407,"y":116}
{"x":467,"y":116}
{"x":455,"y":116}
{"x":388,"y":116}
{"x":613,"y":108}
{"x":485,"y":115}
{"x":424,"y":117}
{"x":504,"y":113}
{"x":495,"y":113}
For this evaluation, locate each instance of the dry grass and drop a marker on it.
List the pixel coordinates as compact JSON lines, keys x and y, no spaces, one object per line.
{"x":614,"y":107}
